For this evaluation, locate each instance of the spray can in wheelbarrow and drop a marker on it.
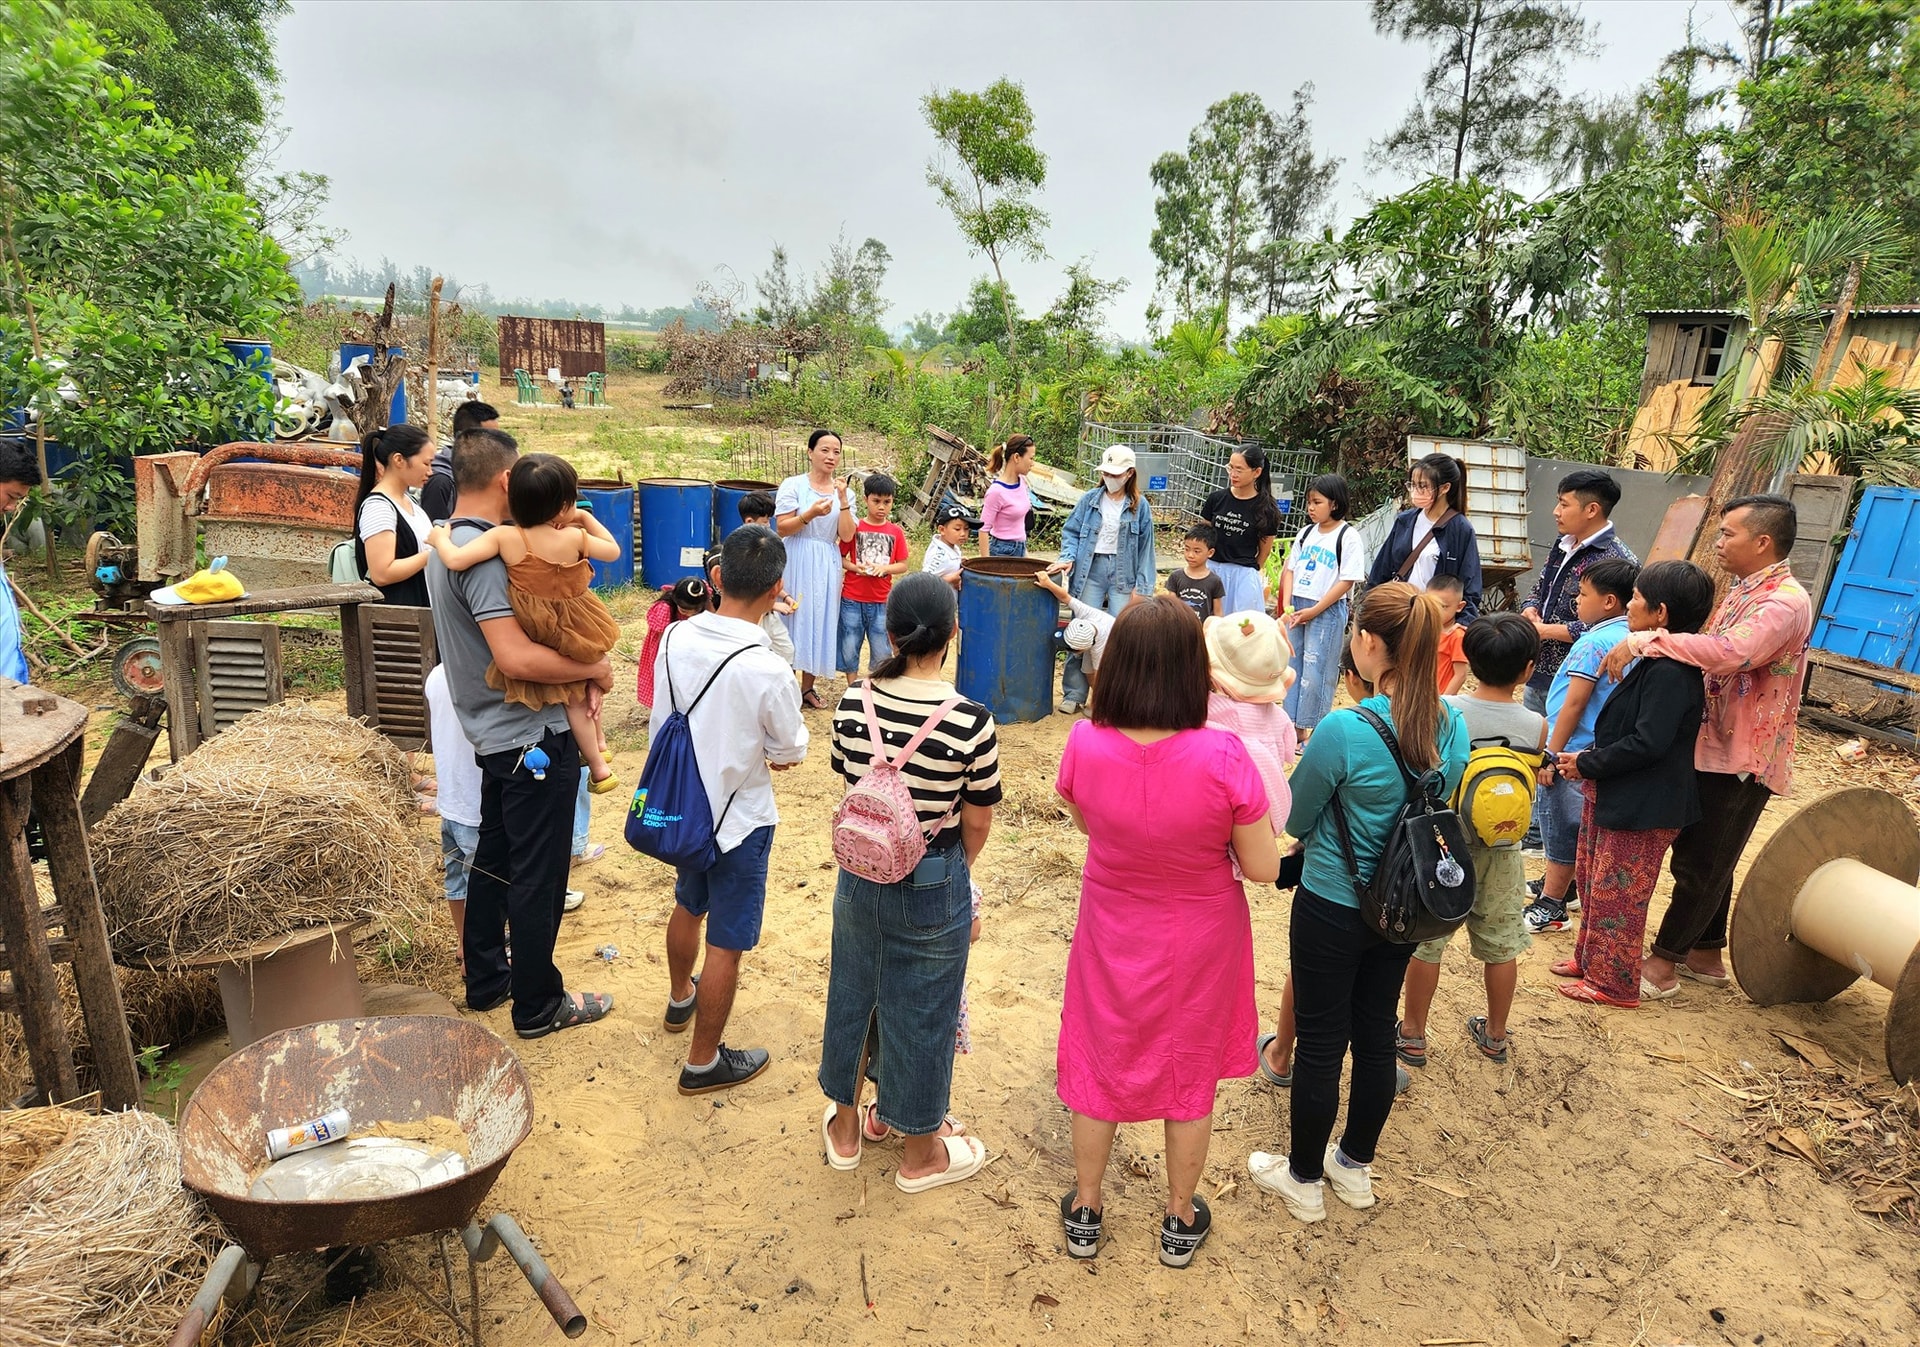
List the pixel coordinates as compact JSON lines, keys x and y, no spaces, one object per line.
{"x":328,"y":1127}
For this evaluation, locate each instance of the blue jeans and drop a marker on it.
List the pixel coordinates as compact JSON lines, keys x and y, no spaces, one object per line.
{"x":899,"y":964}
{"x":1558,"y":808}
{"x":458,"y":842}
{"x":1316,"y":664}
{"x":1096,"y":591}
{"x":582,"y":812}
{"x":858,"y":620}
{"x":1002,"y":547}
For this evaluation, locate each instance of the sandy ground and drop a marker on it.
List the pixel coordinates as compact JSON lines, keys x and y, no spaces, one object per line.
{"x":1571,"y":1195}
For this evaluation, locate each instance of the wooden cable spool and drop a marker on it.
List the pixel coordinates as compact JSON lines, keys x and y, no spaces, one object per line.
{"x":1830,"y":899}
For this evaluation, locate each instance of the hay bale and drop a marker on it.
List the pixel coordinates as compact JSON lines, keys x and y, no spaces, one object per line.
{"x":103,"y":1244}
{"x":163,"y":1010}
{"x":301,"y":732}
{"x":268,"y":829}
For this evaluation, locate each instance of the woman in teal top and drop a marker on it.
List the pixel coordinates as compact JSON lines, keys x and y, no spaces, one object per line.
{"x":1346,"y":978}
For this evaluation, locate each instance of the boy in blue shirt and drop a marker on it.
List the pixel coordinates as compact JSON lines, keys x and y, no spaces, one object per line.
{"x":1573,"y":705}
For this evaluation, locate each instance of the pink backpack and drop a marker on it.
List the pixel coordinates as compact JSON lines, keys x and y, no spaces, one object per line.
{"x":876,"y":830}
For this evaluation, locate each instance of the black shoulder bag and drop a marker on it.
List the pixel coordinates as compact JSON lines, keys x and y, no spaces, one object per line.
{"x":1423,"y":887}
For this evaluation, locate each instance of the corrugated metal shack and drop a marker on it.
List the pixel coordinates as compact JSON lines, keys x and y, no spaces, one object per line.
{"x":574,"y":346}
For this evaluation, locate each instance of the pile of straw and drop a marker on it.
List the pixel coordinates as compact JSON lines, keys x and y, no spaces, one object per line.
{"x":103,"y":1244}
{"x":287,"y":820}
{"x":163,"y":1010}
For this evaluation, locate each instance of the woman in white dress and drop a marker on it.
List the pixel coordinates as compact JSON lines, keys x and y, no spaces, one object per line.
{"x":814,"y":514}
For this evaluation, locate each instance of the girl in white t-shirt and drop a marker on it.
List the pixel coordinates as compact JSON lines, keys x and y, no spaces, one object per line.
{"x":1328,"y":559}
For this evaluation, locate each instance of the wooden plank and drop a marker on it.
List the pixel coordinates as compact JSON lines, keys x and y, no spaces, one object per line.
{"x":180,"y":685}
{"x":1660,"y":335}
{"x":1821,"y":503}
{"x":352,"y":662}
{"x":1860,"y":668}
{"x":238,"y":670}
{"x":70,"y":866}
{"x":1686,"y":353}
{"x":36,"y":996}
{"x":1877,"y":733}
{"x":397,"y":652}
{"x":122,"y":760}
{"x":292,"y":600}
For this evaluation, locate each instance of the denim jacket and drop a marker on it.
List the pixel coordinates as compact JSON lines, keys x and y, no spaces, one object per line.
{"x":1132,"y":562}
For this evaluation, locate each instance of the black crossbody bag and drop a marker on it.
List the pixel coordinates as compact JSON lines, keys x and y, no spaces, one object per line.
{"x":1423,"y":887}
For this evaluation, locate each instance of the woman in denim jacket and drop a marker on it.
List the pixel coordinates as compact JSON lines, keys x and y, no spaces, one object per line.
{"x":1108,"y":545}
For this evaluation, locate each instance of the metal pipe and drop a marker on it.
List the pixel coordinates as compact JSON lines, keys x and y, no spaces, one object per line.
{"x":481,"y":1241}
{"x":231,"y":1279}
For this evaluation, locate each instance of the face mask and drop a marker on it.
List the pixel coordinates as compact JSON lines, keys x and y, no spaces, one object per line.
{"x":1114,"y":484}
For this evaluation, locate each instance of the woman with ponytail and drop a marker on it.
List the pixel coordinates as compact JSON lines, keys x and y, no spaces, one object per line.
{"x":1245,"y":522}
{"x":899,"y":960}
{"x":1346,"y":977}
{"x":390,"y":529}
{"x":1008,"y":504}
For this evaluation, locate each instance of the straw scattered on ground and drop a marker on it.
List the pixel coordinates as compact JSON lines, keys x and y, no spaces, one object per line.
{"x":164,"y":1010}
{"x":104,"y":1247}
{"x":288,"y":820}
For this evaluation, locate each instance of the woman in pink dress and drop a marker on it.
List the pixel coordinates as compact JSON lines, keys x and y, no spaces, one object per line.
{"x":1159,"y":999}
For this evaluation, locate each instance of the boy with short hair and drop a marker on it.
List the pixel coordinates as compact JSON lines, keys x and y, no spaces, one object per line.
{"x":1196,"y":585}
{"x":756,"y":507}
{"x":944,"y":556}
{"x":875,"y":553}
{"x":1574,"y":700}
{"x":1451,"y":663}
{"x":1500,"y":650}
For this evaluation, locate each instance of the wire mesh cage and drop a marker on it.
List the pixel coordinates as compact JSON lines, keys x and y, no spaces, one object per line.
{"x":1180,"y":467}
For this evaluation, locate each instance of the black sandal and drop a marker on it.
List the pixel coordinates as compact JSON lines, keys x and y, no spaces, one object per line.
{"x":1082,"y":1225}
{"x":590,"y":1007}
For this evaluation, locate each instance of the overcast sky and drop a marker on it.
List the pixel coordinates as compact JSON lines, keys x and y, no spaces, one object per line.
{"x":620,"y":154}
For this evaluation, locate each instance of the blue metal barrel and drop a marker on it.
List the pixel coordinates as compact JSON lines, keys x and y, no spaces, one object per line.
{"x":351,"y":351}
{"x":254,"y":360}
{"x":1007,"y":626}
{"x":676,"y":527}
{"x":612,"y":504}
{"x":726,"y":503}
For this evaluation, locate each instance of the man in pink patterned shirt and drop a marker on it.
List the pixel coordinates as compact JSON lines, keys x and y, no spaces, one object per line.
{"x":1753,"y":653}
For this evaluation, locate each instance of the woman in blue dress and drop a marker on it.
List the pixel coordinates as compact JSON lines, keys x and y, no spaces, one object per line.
{"x":814,"y":514}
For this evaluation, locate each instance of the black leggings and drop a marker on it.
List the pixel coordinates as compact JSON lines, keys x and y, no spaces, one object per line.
{"x":1346,"y":992}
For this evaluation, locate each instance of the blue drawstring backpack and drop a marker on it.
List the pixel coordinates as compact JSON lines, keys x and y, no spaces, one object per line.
{"x":670,"y":818}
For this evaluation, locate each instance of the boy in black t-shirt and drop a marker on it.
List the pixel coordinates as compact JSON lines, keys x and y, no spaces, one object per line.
{"x":1197,"y":586}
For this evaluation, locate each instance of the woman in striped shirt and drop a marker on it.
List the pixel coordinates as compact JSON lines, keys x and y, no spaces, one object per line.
{"x":918,"y":930}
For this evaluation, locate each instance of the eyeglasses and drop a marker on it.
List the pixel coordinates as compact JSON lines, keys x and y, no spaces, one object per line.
{"x":1419,"y":488}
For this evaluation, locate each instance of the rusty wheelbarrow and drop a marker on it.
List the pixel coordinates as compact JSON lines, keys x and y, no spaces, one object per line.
{"x":394,"y":1069}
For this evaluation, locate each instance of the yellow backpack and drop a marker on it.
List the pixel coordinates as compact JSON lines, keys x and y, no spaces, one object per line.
{"x":1495,"y":797}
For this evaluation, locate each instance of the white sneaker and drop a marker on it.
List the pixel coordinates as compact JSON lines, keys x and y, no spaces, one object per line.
{"x":1305,"y":1201}
{"x":575,"y":897}
{"x":1069,"y":708}
{"x":1352,"y":1186}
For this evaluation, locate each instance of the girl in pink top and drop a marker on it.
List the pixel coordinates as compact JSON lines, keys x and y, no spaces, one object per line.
{"x":1251,"y":669}
{"x":1008,"y":502}
{"x":1159,"y":997}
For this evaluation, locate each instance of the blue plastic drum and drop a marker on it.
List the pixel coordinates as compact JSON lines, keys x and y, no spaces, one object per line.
{"x":612,"y":505}
{"x":1007,"y":626}
{"x":676,"y":528}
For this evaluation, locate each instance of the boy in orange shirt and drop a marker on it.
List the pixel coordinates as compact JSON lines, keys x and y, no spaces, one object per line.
{"x":1451,"y":661}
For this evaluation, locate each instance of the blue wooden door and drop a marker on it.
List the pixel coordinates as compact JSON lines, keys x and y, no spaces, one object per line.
{"x":1873,"y":603}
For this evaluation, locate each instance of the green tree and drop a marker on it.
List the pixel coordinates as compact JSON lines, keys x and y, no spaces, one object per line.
{"x":1492,"y":90}
{"x":1226,"y":210}
{"x":996,"y":169}
{"x":207,"y":65}
{"x":988,"y":316}
{"x":122,"y":266}
{"x":1831,"y":114}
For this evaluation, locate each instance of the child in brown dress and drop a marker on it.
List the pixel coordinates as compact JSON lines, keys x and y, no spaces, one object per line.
{"x":548,"y":550}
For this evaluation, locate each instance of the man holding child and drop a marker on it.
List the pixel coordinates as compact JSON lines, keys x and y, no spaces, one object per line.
{"x":529,"y":765}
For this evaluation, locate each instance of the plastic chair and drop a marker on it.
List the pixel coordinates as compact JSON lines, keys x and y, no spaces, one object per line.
{"x":528,"y":392}
{"x":596,"y":390}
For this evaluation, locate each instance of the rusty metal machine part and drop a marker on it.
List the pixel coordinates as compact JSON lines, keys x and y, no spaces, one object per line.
{"x":276,"y":520}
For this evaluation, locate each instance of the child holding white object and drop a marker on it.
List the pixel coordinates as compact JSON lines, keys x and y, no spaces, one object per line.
{"x":547,"y":551}
{"x":944,"y":556}
{"x":1086,"y":633}
{"x":1250,"y":658}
